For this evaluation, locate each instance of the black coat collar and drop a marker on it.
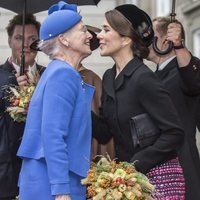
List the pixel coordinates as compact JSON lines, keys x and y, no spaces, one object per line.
{"x":7,"y":66}
{"x":110,"y":84}
{"x":164,"y":72}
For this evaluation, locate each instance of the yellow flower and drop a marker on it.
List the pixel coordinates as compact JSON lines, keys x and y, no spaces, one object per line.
{"x":20,"y":97}
{"x":108,"y":180}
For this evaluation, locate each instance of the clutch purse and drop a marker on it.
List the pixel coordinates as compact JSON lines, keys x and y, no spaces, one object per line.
{"x":143,"y":130}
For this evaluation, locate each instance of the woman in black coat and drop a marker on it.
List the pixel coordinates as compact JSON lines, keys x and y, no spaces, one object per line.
{"x":131,"y":89}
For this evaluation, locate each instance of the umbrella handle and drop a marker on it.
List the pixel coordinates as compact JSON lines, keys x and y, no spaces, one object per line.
{"x":171,"y":45}
{"x":162,"y":52}
{"x":22,"y":64}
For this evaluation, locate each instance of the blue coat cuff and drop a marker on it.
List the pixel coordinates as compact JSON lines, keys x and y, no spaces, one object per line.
{"x":59,"y":189}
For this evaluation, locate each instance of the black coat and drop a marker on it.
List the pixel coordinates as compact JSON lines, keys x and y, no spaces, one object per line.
{"x":10,"y":137}
{"x":137,"y":90}
{"x":183,"y":85}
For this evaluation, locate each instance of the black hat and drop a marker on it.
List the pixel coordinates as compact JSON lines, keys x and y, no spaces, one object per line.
{"x":140,"y":21}
{"x":94,"y":42}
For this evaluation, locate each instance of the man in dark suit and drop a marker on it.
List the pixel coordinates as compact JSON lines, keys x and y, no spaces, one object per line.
{"x":180,"y":72}
{"x":11,"y":131}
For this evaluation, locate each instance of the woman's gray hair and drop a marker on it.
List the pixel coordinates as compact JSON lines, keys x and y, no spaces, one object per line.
{"x":49,"y":47}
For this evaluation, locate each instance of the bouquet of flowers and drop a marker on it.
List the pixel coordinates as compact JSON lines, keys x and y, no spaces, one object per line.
{"x":109,"y":180}
{"x":19,"y":97}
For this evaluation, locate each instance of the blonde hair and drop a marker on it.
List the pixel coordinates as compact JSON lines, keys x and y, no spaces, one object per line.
{"x":162,"y":24}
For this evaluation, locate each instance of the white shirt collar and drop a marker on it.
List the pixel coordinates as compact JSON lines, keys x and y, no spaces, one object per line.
{"x":32,"y":68}
{"x":164,"y":64}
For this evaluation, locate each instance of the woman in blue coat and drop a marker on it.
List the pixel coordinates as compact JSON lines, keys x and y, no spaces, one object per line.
{"x":56,"y":144}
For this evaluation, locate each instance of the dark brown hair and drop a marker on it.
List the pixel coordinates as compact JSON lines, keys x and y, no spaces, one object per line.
{"x":18,"y":20}
{"x":163,"y":23}
{"x":124,"y":27}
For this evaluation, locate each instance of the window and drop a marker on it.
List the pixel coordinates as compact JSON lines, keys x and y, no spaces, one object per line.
{"x":163,"y":7}
{"x":196,"y":42}
{"x":132,"y":2}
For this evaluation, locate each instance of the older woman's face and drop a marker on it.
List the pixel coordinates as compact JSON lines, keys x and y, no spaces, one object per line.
{"x":110,"y":41}
{"x":79,"y":40}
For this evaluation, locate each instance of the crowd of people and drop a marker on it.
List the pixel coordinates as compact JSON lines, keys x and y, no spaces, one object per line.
{"x":74,"y":115}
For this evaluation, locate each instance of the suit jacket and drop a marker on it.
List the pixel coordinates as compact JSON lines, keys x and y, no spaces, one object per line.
{"x":137,"y":90}
{"x":11,"y":132}
{"x":183,"y":85}
{"x":58,"y":126}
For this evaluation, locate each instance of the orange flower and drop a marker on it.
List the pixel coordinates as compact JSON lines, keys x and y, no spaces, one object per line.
{"x":108,"y":179}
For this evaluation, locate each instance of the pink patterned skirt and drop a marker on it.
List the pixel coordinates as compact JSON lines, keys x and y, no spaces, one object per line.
{"x":169,"y":181}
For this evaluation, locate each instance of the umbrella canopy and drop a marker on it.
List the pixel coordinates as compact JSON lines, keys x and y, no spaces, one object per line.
{"x":34,"y":6}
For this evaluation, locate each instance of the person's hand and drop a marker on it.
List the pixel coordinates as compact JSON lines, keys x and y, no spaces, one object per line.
{"x":22,"y":79}
{"x":63,"y":197}
{"x":174,"y":33}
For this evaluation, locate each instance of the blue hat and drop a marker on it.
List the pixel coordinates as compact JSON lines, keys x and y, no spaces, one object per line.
{"x":62,"y":17}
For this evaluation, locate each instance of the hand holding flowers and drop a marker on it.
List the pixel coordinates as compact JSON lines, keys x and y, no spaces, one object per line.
{"x":19,"y":96}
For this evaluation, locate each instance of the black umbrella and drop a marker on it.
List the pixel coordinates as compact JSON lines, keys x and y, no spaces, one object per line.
{"x":34,"y":6}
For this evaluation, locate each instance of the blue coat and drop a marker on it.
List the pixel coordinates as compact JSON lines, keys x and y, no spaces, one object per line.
{"x":58,"y":127}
